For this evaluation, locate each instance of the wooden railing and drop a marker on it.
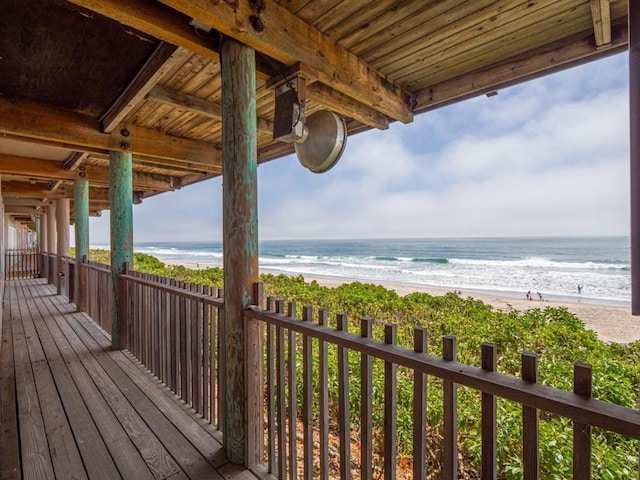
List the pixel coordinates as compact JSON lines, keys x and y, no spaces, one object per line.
{"x":66,"y":278}
{"x":287,"y":411}
{"x":95,"y":296}
{"x":173,"y":329}
{"x":22,"y":264}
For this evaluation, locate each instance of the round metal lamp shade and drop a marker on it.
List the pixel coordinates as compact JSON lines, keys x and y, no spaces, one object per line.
{"x":325,"y":142}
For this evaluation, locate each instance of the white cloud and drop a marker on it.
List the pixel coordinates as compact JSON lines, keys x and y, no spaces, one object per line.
{"x":548,"y":157}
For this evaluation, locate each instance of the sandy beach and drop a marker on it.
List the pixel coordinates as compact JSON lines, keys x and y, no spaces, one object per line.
{"x":611,"y":323}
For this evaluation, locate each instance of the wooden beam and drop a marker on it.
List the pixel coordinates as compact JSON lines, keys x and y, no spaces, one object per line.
{"x":28,"y":190}
{"x":289,"y":39}
{"x":20,"y":210}
{"x":26,"y":119}
{"x":50,"y":170}
{"x":601,"y":13}
{"x":197,"y":105}
{"x":28,"y":202}
{"x":549,"y":59}
{"x":347,"y":106}
{"x":156,"y":20}
{"x":74,"y":160}
{"x":157,"y":65}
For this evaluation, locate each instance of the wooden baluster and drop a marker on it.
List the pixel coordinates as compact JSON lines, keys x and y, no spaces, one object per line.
{"x":530,"y":459}
{"x":488,"y":416}
{"x":582,"y":383}
{"x":419,"y":409}
{"x":217,"y":334}
{"x":196,"y":350}
{"x":366,"y":405}
{"x":390,"y":406}
{"x":450,"y":391}
{"x":173,"y":339}
{"x":206,"y":349}
{"x":184,"y":348}
{"x":281,"y":411}
{"x":271,"y":398}
{"x":307,"y":397}
{"x":324,"y":400}
{"x":343,"y":403}
{"x":293,"y":397}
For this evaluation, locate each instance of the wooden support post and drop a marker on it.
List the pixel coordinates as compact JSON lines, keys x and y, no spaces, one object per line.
{"x":52,"y":243}
{"x":38,"y":247}
{"x":121,"y":200}
{"x":62,"y":228}
{"x":242,"y":385}
{"x":81,"y":213}
{"x":44,"y":263}
{"x":634,"y":123}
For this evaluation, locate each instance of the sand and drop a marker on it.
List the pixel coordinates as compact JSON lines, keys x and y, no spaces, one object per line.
{"x":611,"y":323}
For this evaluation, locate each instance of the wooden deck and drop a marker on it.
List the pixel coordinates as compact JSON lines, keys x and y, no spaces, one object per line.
{"x":71,"y":408}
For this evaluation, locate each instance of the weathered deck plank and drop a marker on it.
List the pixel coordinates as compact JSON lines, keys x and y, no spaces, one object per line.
{"x":9,"y":445}
{"x":104,"y":414}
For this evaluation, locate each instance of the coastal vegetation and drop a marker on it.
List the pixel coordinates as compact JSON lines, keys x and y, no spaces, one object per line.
{"x":557,"y":336}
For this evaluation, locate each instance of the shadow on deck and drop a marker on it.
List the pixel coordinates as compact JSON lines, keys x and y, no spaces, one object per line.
{"x":73,"y":408}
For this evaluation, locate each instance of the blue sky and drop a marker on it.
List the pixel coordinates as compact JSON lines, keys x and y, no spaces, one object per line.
{"x":544,"y":158}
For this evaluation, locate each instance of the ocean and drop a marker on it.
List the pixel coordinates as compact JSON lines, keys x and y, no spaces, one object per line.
{"x":510,"y":267}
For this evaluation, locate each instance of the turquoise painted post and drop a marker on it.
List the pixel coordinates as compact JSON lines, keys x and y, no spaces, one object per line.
{"x":121,"y":204}
{"x":38,"y":233}
{"x":242,"y":348}
{"x":81,"y":214}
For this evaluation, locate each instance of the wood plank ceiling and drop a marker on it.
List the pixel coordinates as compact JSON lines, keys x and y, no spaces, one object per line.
{"x":83,"y":77}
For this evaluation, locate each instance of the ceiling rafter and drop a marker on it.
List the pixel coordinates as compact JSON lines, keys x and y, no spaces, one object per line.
{"x":554,"y":57}
{"x":157,"y":65}
{"x":601,"y":13}
{"x":26,"y":119}
{"x":54,"y":171}
{"x":289,"y":40}
{"x":167,"y":96}
{"x":172,"y":27}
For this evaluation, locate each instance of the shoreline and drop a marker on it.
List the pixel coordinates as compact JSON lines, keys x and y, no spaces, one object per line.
{"x":611,"y":321}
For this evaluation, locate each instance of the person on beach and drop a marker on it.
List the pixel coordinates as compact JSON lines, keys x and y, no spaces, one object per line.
{"x":540,"y":296}
{"x":579,"y":289}
{"x":529,"y":297}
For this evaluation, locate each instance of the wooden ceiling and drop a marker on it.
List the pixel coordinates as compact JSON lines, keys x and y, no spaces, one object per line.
{"x":83,"y":77}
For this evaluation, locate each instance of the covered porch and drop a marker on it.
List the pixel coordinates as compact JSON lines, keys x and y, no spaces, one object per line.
{"x":74,"y":408}
{"x":104,"y":103}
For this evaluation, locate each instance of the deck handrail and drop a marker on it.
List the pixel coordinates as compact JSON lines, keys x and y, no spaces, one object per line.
{"x":597,"y":413}
{"x":283,"y":332}
{"x":172,"y":327}
{"x":22,"y":263}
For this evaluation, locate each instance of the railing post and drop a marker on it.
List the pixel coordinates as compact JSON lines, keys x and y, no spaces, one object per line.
{"x":488,"y":417}
{"x":81,"y":300}
{"x":450,"y":395}
{"x":419,"y":408}
{"x":582,"y":381}
{"x":123,"y":310}
{"x":390,"y":406}
{"x":530,"y":456}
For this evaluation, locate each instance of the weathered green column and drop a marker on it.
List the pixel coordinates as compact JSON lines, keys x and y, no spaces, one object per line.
{"x":242,"y":349}
{"x":44,"y":262}
{"x":52,"y":243}
{"x":63,"y":206}
{"x":38,"y":233}
{"x":81,"y":214}
{"x":121,"y":204}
